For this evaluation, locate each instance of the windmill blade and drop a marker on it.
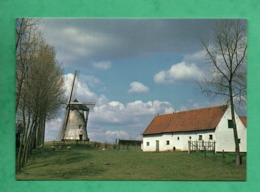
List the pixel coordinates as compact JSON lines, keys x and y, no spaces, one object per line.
{"x":91,"y":105}
{"x":73,"y":87}
{"x":67,"y":112}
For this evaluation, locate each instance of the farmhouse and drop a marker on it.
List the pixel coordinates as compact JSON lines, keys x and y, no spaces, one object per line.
{"x":182,"y":130}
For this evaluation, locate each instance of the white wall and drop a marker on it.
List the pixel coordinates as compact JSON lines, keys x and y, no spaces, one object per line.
{"x":225,"y":136}
{"x":177,"y":140}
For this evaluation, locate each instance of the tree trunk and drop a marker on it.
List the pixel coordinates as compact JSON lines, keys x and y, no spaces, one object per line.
{"x":237,"y":150}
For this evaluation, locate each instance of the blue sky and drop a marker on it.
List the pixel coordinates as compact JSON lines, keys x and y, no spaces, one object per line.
{"x":132,"y":68}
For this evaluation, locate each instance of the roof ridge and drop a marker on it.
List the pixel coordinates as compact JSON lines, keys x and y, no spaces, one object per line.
{"x":193,"y":110}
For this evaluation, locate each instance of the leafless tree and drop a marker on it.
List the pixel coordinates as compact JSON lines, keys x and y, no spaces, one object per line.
{"x":39,"y":86}
{"x":28,"y":38}
{"x":227,"y":55}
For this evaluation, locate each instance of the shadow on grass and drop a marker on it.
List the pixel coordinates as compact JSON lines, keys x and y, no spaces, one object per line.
{"x":50,"y":158}
{"x":77,"y":174}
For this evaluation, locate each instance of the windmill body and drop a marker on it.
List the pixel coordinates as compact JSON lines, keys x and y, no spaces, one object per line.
{"x":74,"y":126}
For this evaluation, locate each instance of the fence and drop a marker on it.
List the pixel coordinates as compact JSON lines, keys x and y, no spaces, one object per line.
{"x":201,"y":145}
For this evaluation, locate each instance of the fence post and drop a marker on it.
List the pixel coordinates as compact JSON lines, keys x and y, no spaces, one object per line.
{"x":189,"y":142}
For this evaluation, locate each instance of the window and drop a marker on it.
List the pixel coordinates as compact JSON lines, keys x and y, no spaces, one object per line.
{"x":167,"y":142}
{"x":239,"y":140}
{"x":190,"y":137}
{"x":178,"y":138}
{"x":147,"y":143}
{"x":200,"y":137}
{"x":210,"y":137}
{"x":230,"y":123}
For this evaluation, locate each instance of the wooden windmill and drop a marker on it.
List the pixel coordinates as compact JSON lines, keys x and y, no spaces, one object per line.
{"x":75,"y":121}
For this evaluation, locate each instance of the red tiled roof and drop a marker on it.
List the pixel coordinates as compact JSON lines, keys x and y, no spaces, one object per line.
{"x":244,"y":120}
{"x":194,"y":120}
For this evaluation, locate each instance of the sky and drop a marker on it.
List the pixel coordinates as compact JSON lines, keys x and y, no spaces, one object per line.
{"x":133,"y":69}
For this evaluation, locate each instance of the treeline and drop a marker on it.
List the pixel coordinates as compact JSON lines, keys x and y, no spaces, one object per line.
{"x":39,"y":87}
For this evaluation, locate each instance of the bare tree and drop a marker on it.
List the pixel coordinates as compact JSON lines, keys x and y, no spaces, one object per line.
{"x":28,"y":38}
{"x":227,"y":54}
{"x":39,"y":86}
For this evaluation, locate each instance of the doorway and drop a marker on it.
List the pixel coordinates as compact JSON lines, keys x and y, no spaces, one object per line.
{"x":157,"y":145}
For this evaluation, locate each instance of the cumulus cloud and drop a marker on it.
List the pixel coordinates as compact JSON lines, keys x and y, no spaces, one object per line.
{"x":114,"y":112}
{"x":81,"y":90}
{"x":197,"y":57}
{"x":137,"y":87}
{"x":92,"y":81}
{"x":104,"y":65}
{"x":179,"y":72}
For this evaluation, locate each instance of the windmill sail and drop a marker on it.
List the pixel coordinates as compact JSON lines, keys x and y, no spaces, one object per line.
{"x":67,"y":111}
{"x":75,"y":118}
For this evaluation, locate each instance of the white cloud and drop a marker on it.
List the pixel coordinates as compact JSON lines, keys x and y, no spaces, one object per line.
{"x":74,"y":42}
{"x":137,"y":87}
{"x":92,"y":81}
{"x":103,"y":65}
{"x":197,"y":57}
{"x":179,"y":72}
{"x":81,"y":89}
{"x":82,"y":41}
{"x":115,"y":112}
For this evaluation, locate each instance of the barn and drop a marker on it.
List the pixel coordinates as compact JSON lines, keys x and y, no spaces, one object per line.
{"x":207,"y":127}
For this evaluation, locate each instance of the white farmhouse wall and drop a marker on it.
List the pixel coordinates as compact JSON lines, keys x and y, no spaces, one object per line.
{"x":225,"y":136}
{"x":149,"y":142}
{"x":179,"y":141}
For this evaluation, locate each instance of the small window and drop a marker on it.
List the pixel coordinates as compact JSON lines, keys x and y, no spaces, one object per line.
{"x":178,"y":138}
{"x":147,"y":143}
{"x":239,"y":140}
{"x":210,"y":137}
{"x":230,"y":123}
{"x":200,"y":137}
{"x":190,"y":137}
{"x":167,"y":142}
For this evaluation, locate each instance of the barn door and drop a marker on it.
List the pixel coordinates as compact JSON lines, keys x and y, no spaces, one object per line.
{"x":157,"y":145}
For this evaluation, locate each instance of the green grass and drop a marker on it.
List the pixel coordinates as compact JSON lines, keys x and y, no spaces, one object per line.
{"x":83,"y":162}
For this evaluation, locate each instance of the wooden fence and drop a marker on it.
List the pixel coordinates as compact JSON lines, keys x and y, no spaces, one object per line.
{"x":201,"y":145}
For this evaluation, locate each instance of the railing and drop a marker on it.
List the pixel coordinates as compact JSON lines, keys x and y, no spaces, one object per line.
{"x":201,"y":145}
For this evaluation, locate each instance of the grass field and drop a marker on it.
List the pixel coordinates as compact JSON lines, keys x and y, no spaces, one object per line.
{"x":83,"y":162}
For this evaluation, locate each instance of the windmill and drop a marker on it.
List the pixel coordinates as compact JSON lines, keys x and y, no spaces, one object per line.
{"x":74,"y":126}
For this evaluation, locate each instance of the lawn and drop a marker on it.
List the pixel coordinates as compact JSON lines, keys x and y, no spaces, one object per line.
{"x":84,"y":162}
